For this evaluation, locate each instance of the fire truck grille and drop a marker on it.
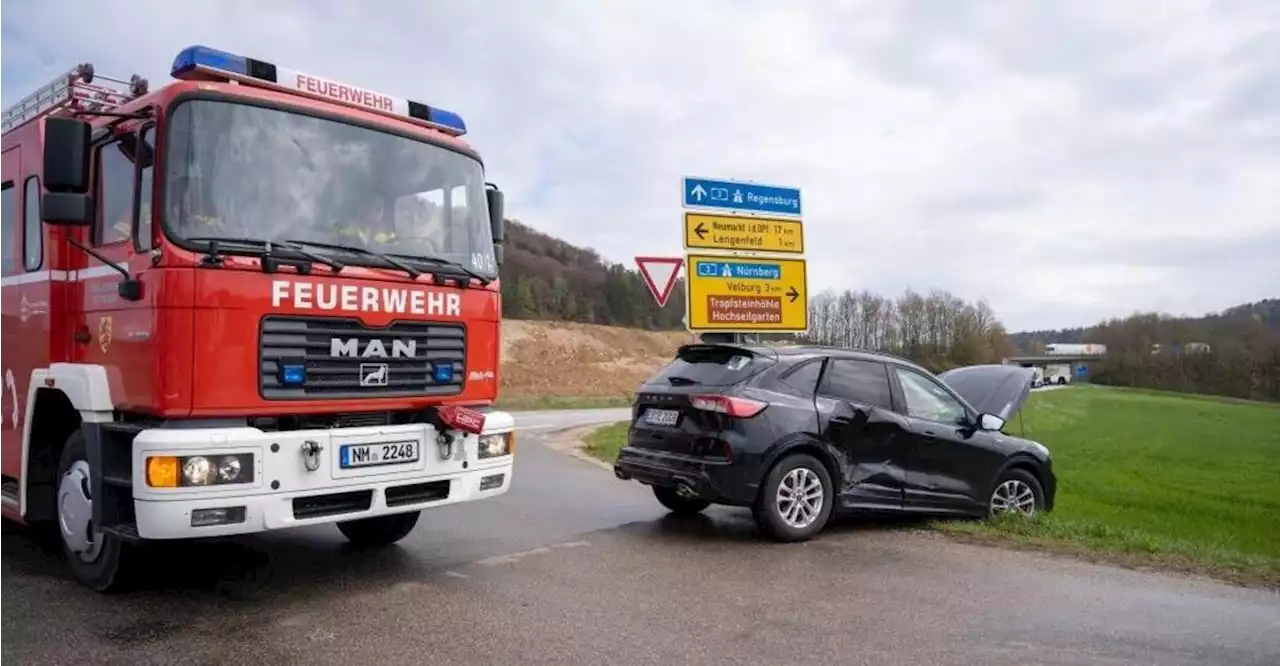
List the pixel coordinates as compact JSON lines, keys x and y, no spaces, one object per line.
{"x":321,"y":357}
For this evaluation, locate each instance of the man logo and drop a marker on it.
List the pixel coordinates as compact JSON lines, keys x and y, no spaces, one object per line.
{"x":374,"y":374}
{"x":372,"y":349}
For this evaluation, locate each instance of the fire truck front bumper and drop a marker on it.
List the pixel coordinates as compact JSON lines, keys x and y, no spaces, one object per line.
{"x":204,"y":482}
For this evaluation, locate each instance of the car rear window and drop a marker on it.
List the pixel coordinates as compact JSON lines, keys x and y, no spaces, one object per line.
{"x":711,"y":366}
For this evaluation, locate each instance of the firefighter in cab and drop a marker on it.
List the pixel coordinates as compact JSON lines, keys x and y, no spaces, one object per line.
{"x":370,"y":224}
{"x":196,"y":213}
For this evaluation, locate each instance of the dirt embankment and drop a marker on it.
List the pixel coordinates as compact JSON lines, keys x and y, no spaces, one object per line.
{"x":561,"y":359}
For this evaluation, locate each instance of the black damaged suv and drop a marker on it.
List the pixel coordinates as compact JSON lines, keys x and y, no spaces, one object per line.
{"x":796,"y":433}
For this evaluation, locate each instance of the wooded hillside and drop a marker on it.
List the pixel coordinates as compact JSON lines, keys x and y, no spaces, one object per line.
{"x":1233,"y":353}
{"x":546,"y":278}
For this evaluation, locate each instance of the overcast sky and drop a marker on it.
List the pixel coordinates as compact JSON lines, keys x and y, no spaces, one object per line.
{"x":1067,"y":161}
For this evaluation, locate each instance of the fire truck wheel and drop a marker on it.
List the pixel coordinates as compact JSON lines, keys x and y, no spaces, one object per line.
{"x":94,"y":558}
{"x":379,"y":531}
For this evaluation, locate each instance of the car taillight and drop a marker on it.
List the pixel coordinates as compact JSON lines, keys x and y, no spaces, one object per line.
{"x":736,"y":407}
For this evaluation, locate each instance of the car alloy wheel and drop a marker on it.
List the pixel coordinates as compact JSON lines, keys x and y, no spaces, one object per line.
{"x":1017,"y":492}
{"x":795,"y":498}
{"x":799,"y":498}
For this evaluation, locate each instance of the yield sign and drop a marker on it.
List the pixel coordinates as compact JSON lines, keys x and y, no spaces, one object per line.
{"x":659,"y":275}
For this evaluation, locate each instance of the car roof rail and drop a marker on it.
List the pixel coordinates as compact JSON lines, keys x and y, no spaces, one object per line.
{"x":861,"y":350}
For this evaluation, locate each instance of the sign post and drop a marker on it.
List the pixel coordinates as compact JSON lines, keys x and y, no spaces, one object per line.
{"x":735,"y":281}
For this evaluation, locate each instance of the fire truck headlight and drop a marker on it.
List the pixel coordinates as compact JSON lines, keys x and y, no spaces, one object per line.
{"x":228,"y":469}
{"x":196,"y":471}
{"x":500,"y":444}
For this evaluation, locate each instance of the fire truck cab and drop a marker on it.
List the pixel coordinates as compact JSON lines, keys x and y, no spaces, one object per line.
{"x":250,"y":300}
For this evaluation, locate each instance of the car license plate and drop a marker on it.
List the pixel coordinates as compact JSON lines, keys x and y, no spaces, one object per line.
{"x":662,"y":417}
{"x":367,"y":455}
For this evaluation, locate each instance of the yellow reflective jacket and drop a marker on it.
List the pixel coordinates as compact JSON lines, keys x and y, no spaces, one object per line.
{"x":365,"y":235}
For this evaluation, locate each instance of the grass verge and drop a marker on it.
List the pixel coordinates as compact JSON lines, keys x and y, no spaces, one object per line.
{"x":522,"y":403}
{"x":605,"y":443}
{"x":1157,"y":480}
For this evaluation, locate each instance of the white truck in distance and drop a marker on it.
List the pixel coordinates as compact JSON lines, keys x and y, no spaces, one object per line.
{"x":1066,"y":349}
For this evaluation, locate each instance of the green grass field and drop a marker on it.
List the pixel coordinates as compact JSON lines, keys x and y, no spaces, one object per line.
{"x":1160,"y":480}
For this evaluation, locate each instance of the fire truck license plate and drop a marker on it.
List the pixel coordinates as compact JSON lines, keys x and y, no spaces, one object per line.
{"x":365,"y":455}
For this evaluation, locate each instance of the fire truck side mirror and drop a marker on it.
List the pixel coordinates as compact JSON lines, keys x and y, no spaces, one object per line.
{"x":66,"y":172}
{"x":66,"y":155}
{"x":66,"y":208}
{"x":497,"y":221}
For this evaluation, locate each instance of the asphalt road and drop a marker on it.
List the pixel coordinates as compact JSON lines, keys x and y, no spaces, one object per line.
{"x":575,"y":567}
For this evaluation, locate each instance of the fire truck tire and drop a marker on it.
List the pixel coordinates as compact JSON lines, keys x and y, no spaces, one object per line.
{"x":379,"y":531}
{"x":95,"y":559}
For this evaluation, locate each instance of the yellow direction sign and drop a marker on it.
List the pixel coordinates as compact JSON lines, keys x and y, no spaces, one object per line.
{"x":745,"y":294}
{"x":746,"y":234}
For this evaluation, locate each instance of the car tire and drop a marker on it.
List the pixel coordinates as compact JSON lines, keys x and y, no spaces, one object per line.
{"x":379,"y":531}
{"x":680,"y":506}
{"x":773,"y":512}
{"x":97,"y":560}
{"x":1007,"y":496}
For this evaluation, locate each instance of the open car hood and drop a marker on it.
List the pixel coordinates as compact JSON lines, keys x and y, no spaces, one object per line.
{"x":999,"y":390}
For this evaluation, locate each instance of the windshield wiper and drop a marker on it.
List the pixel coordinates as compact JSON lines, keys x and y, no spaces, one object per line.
{"x":677,"y":380}
{"x":439,"y":261}
{"x":391,"y":261}
{"x":268,"y":261}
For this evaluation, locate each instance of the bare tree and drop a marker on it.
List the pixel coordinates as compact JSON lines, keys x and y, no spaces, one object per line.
{"x":939,"y":330}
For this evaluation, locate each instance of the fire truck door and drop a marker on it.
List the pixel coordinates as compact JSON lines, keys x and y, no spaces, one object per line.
{"x":113,"y":331}
{"x":12,"y":283}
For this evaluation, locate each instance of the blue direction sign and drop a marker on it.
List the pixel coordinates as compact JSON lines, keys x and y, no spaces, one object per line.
{"x":747,"y":197}
{"x":737,"y":270}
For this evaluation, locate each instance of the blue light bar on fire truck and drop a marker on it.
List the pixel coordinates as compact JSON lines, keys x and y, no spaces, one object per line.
{"x":201,"y":63}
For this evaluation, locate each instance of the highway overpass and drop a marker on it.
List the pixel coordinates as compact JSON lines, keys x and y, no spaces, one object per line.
{"x":1079,"y":362}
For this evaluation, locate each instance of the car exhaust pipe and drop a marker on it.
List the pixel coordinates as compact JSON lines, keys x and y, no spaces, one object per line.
{"x":685,"y":492}
{"x":621,"y":474}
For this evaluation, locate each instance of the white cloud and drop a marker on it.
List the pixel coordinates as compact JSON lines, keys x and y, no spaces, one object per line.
{"x":1066,"y":161}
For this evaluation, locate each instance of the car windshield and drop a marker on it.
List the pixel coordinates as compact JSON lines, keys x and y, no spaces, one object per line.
{"x":240,"y":171}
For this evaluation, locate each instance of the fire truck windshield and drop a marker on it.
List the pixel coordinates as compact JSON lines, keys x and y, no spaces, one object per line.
{"x":241,"y":171}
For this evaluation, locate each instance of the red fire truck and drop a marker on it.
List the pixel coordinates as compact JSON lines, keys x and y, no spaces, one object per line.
{"x":250,"y":300}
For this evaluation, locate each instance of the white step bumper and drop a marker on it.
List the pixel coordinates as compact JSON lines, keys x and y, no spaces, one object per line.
{"x":303,"y":477}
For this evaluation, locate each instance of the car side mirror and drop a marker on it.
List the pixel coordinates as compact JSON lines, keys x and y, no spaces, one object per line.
{"x":990,"y":422}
